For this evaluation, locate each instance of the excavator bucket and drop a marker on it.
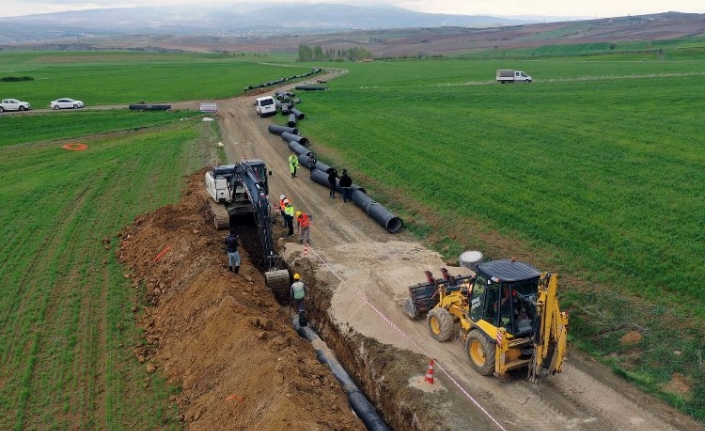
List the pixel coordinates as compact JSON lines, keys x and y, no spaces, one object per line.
{"x":278,"y":281}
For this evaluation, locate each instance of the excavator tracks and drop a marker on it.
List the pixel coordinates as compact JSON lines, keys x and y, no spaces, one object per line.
{"x":221,"y":218}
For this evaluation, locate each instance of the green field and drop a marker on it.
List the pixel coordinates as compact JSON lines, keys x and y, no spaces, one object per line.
{"x":595,"y":171}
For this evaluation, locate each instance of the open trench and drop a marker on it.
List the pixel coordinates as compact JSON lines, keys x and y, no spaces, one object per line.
{"x":382,"y":372}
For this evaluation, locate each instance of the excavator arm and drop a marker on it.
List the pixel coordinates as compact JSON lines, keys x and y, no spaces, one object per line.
{"x":551,"y":331}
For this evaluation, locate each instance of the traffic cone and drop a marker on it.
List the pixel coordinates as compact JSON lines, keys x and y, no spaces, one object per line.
{"x":305,"y":249}
{"x":429,"y":373}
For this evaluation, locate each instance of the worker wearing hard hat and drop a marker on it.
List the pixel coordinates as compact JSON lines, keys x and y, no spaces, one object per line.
{"x":289,"y":216}
{"x":298,"y":292}
{"x":303,"y":222}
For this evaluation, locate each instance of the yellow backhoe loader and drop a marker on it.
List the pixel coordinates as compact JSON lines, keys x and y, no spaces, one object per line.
{"x":507,"y":315}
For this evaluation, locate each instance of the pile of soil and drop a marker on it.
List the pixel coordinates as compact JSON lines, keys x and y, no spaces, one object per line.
{"x":222,"y":337}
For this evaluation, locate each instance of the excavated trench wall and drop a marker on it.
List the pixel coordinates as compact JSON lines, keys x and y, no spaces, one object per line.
{"x":381,"y":371}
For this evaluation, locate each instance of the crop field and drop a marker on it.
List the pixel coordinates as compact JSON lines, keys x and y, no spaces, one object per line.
{"x":107,"y":79}
{"x":597,"y":167}
{"x":595,"y":171}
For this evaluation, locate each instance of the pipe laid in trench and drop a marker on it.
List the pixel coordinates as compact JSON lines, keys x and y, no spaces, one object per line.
{"x":358,"y":401}
{"x":288,"y":137}
{"x":278,"y":130}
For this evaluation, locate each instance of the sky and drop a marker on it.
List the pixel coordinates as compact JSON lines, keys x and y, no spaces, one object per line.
{"x":554,"y":8}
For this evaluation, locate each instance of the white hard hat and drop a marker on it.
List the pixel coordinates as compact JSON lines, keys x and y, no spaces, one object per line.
{"x":281,"y":197}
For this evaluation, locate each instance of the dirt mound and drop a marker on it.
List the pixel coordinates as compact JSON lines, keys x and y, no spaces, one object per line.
{"x":200,"y":320}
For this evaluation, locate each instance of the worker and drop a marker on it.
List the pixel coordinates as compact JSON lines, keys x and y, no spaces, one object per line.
{"x":303,"y":223}
{"x":298,"y":293}
{"x":232,"y":242}
{"x":345,"y":183}
{"x":289,"y":216}
{"x":282,"y":206}
{"x":332,"y":176}
{"x":293,"y":164}
{"x":311,"y":162}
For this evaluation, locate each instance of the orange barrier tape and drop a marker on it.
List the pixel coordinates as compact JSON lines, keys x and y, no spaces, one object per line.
{"x":75,"y":147}
{"x":162,"y":253}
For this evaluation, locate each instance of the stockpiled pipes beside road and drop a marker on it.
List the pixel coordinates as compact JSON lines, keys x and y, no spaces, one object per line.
{"x":278,"y":130}
{"x":288,"y":137}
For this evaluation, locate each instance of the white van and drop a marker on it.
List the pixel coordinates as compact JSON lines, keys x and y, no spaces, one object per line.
{"x":265,"y":106}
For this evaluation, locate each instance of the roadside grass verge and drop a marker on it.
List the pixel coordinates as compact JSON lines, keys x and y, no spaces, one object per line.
{"x":600,"y":180}
{"x":68,"y":328}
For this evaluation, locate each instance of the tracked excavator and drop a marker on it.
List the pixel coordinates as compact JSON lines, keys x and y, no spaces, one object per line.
{"x":507,"y":314}
{"x":240,"y":189}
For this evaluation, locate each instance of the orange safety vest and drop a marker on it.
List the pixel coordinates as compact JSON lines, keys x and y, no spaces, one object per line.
{"x":303,"y":220}
{"x":281,"y":204}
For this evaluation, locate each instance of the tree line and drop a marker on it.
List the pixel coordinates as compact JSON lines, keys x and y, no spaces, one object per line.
{"x":317,"y":53}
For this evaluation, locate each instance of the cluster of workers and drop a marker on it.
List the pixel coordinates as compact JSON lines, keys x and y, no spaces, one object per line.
{"x":345,"y":180}
{"x":303,"y":222}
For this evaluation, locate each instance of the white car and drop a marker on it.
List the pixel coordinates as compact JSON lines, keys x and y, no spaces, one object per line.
{"x":13,"y":105}
{"x":66,"y":103}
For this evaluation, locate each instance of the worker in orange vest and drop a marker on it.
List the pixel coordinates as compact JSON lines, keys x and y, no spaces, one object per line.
{"x":303,"y":221}
{"x":282,"y":207}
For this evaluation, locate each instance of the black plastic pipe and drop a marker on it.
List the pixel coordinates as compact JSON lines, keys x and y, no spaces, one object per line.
{"x":278,"y":130}
{"x":297,"y":148}
{"x":310,"y":87}
{"x":299,"y":115}
{"x":296,"y":138}
{"x":146,"y":107}
{"x":292,"y":120}
{"x":286,"y":108}
{"x":392,"y":223}
{"x":358,"y":401}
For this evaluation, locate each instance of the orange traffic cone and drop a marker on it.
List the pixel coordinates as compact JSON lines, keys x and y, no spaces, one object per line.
{"x":429,"y":373}
{"x":305,"y":249}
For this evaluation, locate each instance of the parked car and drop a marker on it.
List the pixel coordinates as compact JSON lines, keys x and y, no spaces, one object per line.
{"x":66,"y":103}
{"x":13,"y":105}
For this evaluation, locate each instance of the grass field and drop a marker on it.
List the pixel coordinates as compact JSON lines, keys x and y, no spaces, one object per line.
{"x":596,"y":166}
{"x":595,"y":170}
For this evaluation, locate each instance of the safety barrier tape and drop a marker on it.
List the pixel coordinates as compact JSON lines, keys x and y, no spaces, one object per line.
{"x":364,"y":299}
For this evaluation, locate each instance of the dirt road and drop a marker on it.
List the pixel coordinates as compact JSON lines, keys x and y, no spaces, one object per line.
{"x":363,"y":266}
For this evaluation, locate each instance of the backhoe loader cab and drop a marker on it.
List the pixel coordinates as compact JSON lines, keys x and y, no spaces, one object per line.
{"x":504,"y":295}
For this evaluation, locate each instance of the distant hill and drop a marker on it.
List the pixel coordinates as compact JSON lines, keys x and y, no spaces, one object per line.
{"x":213,"y":20}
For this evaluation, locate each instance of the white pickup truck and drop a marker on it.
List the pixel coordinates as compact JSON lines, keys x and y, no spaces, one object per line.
{"x":509,"y":75}
{"x":13,"y":105}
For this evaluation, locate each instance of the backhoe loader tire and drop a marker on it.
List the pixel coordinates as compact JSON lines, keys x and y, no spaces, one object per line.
{"x":481,"y":352}
{"x":440,"y":323}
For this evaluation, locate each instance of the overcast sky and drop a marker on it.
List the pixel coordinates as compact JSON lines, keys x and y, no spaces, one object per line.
{"x":558,"y":8}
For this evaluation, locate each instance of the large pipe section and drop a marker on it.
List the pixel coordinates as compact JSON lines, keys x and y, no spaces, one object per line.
{"x":306,"y":87}
{"x":288,"y":137}
{"x":358,"y":401}
{"x":392,"y":223}
{"x":278,"y":130}
{"x":297,"y":148}
{"x":292,"y":120}
{"x":299,"y":115}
